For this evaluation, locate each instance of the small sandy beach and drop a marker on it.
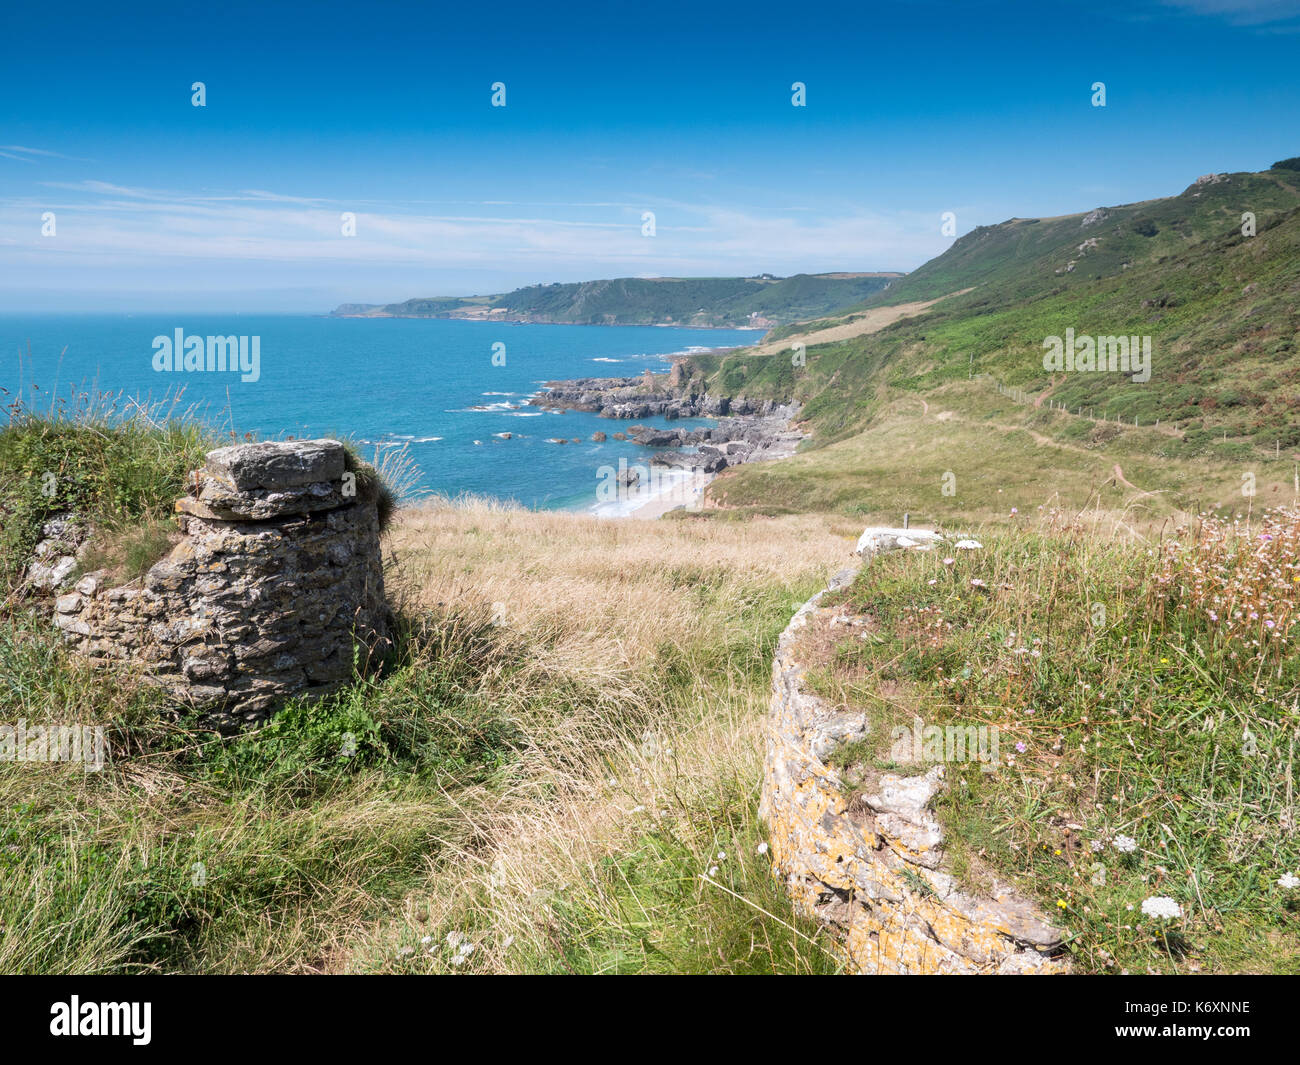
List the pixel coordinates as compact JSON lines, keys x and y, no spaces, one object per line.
{"x":688,"y":493}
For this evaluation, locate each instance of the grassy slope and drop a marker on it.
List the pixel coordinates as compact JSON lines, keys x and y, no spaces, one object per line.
{"x":1143,"y":696}
{"x":1221,"y":308}
{"x":562,"y":747}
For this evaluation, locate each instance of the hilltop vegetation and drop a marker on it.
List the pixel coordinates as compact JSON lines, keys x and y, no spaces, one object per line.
{"x":1222,"y":310}
{"x":697,"y":301}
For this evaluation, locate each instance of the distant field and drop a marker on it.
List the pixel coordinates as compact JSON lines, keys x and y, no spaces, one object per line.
{"x":967,"y":454}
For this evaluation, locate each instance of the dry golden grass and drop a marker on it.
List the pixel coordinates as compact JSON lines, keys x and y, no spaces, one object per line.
{"x":601,"y":596}
{"x":562,"y":777}
{"x":862,"y":323}
{"x":602,"y":604}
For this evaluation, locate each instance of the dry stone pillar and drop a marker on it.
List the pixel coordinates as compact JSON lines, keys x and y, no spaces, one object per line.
{"x":276,"y":583}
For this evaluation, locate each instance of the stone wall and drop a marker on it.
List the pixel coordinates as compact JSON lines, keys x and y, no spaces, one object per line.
{"x":276,"y":583}
{"x":874,"y":867}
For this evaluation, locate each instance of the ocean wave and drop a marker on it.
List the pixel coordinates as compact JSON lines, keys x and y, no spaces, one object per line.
{"x":487,"y":408}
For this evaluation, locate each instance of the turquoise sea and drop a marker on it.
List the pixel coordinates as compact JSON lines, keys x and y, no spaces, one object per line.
{"x":429,"y":384}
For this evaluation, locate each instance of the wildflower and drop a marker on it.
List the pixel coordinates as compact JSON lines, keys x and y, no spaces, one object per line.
{"x":1061,"y":903}
{"x":455,"y":939}
{"x":762,"y":848}
{"x":1288,"y":881}
{"x":1161,"y":906}
{"x":977,"y":583}
{"x":949,"y":561}
{"x":1097,"y":845}
{"x":1020,"y":746}
{"x":426,"y":941}
{"x":722,"y":856}
{"x":1125,"y":844}
{"x":931,"y":581}
{"x":713,"y":870}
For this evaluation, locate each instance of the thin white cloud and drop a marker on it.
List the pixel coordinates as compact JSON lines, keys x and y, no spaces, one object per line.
{"x":121,"y":231}
{"x":1242,"y":12}
{"x":24,"y":153}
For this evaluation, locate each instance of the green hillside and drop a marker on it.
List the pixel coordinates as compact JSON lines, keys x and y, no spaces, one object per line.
{"x":694,"y":301}
{"x":1220,"y":308}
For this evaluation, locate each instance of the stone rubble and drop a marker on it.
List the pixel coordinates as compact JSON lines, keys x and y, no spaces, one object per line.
{"x":54,"y":558}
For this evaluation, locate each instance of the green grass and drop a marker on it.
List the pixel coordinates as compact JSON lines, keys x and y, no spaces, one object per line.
{"x":990,"y":454}
{"x":299,"y":846}
{"x":115,"y":468}
{"x":1219,"y":306}
{"x":1131,"y":701}
{"x":194,"y":852}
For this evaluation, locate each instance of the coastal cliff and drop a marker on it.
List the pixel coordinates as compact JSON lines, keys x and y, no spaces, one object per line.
{"x":745,"y":431}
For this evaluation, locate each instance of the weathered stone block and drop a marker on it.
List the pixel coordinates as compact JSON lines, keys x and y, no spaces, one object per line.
{"x":278,"y":576}
{"x":274,"y":464}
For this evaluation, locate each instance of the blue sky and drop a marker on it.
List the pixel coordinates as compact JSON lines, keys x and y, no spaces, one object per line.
{"x":383,"y":110}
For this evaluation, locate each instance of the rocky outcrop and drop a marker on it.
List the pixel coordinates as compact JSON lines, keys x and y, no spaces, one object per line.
{"x":745,"y":431}
{"x":62,"y":544}
{"x":275,"y":585}
{"x":872,"y":865}
{"x":646,"y":396}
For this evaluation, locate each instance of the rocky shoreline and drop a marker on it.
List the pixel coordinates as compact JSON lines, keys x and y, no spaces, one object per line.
{"x":746,"y":431}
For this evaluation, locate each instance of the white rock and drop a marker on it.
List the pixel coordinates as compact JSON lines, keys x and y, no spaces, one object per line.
{"x":967,"y":545}
{"x":879,"y":538}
